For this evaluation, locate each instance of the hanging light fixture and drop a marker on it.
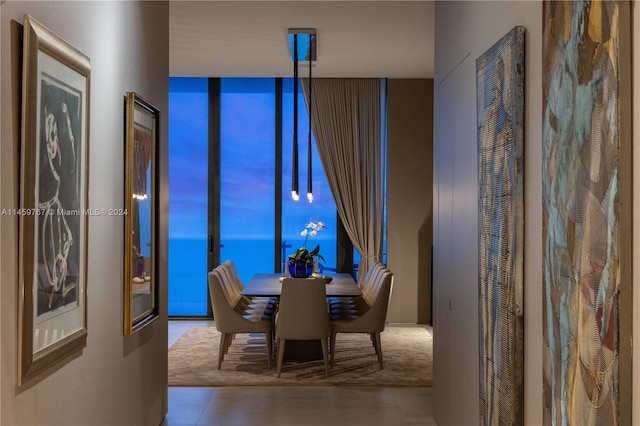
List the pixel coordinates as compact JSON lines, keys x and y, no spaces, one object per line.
{"x":309,"y":168}
{"x":294,"y":167}
{"x":302,"y":43}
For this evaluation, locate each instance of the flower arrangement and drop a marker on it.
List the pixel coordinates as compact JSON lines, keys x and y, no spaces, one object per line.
{"x":310,"y":230}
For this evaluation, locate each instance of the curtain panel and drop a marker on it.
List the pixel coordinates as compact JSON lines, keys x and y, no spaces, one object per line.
{"x":346,"y":120}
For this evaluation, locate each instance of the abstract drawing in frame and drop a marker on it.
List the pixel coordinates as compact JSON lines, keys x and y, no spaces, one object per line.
{"x":500,"y":121}
{"x":585,"y":152}
{"x":52,"y":321}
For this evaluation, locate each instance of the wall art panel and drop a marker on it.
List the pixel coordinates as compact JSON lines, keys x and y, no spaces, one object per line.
{"x":584,"y":141}
{"x":500,"y":115}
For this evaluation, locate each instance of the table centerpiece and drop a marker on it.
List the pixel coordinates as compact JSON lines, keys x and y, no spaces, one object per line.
{"x":303,"y":263}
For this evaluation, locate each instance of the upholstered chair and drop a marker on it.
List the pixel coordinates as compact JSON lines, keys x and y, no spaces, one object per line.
{"x":303,"y":315}
{"x":370,"y":317}
{"x":359,"y":304}
{"x":239,"y":301}
{"x":230,"y":320}
{"x":234,"y":276}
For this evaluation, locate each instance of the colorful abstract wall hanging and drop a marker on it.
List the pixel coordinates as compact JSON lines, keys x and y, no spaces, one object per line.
{"x":500,"y":115}
{"x":584,"y":212}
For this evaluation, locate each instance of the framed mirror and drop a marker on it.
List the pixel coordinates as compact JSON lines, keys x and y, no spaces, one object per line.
{"x":140,"y":253}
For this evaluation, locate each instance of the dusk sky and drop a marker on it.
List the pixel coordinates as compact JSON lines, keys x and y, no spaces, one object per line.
{"x":247,"y":157}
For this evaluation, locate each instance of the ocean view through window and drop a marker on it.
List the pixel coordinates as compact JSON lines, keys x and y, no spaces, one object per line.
{"x":188,"y":193}
{"x":247,"y":174}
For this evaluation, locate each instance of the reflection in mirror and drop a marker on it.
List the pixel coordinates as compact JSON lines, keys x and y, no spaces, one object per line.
{"x":140,"y":280}
{"x":141,"y":206}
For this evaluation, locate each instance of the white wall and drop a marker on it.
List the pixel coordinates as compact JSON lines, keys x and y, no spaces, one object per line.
{"x":117,"y":380}
{"x":464,"y":30}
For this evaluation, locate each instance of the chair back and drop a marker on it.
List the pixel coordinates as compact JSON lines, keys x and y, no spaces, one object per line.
{"x":374,"y":269}
{"x":233,"y":272}
{"x":222,"y":310}
{"x":229,"y":290}
{"x":303,"y":313}
{"x":371,"y":287}
{"x":376,"y":316}
{"x":374,"y":319}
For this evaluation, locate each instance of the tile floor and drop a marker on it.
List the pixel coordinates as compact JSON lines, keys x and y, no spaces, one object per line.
{"x":295,"y":405}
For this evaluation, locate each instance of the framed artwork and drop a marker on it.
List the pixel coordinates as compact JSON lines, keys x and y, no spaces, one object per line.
{"x":140,"y":254}
{"x":586,"y":189}
{"x":52,"y":321}
{"x":500,"y":123}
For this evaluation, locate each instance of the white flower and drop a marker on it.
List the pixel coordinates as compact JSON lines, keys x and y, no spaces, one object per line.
{"x":311,"y":229}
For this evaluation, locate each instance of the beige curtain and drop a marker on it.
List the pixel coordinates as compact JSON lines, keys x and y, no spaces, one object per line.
{"x":347,"y":125}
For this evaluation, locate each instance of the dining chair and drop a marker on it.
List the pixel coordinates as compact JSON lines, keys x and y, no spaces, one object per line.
{"x":230,"y":267}
{"x":303,"y":315}
{"x":243,"y":304}
{"x":370,"y":318}
{"x":238,"y":300}
{"x":230,"y":320}
{"x":359,"y":303}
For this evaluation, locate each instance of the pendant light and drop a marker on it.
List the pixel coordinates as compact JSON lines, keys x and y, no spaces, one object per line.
{"x":309,"y":165}
{"x":294,"y":166}
{"x":308,"y":37}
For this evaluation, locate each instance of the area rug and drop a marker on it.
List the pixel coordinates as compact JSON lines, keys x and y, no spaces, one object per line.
{"x":407,"y":355}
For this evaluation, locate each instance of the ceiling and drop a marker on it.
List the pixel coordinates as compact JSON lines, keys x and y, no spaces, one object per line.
{"x":249,"y":38}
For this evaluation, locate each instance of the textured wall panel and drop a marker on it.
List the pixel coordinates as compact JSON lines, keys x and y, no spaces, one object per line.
{"x":582,"y":206}
{"x":500,"y":112}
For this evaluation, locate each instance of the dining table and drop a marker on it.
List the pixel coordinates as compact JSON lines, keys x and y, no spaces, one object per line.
{"x":270,"y":285}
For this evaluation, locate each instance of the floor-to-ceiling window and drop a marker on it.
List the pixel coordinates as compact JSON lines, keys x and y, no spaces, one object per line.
{"x":247,"y":174}
{"x":256,"y":223}
{"x":188,"y":194}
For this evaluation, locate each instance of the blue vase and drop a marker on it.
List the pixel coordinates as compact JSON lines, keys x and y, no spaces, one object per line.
{"x":300,"y":268}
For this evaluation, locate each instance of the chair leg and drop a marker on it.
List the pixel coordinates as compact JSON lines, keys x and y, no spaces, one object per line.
{"x":222,"y":349}
{"x":325,"y":357}
{"x":332,"y":346}
{"x":269,"y":341}
{"x":378,"y":347}
{"x":230,"y":338}
{"x":281,"y":342}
